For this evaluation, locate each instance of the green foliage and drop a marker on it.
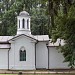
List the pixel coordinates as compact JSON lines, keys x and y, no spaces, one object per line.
{"x":39,"y":22}
{"x":65,"y":29}
{"x":37,"y":13}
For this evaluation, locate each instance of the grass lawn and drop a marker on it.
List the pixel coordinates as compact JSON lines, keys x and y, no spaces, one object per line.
{"x":38,"y":74}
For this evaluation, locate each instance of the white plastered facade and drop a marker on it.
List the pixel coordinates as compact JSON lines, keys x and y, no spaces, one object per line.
{"x":14,"y":57}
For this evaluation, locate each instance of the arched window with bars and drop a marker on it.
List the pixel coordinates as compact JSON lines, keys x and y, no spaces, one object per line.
{"x":22,"y":54}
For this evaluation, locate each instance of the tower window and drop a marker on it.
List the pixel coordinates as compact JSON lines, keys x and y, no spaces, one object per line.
{"x":27,"y":23}
{"x":0,"y":9}
{"x":23,"y":23}
{"x":19,"y":23}
{"x":22,"y":55}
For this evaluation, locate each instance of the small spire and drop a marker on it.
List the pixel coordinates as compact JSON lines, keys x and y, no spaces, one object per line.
{"x":24,"y":7}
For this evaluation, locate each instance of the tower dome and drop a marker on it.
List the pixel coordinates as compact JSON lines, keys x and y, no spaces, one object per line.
{"x":23,"y":23}
{"x":24,"y":13}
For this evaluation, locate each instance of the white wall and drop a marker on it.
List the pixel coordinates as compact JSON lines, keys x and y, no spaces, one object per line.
{"x":56,"y":59}
{"x":41,"y":55}
{"x":15,"y":62}
{"x":3,"y":58}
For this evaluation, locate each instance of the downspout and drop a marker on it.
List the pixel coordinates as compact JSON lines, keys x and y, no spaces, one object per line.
{"x":8,"y":58}
{"x":35,"y":53}
{"x":48,"y":55}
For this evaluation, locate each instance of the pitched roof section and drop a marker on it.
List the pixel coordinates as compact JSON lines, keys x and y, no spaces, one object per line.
{"x":4,"y":39}
{"x":42,"y":37}
{"x":30,"y":36}
{"x":4,"y":44}
{"x":51,"y":44}
{"x":37,"y":37}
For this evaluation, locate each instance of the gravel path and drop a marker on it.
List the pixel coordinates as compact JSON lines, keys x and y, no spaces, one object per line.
{"x":36,"y":72}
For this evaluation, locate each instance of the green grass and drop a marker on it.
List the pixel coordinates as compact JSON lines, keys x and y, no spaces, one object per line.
{"x":38,"y":74}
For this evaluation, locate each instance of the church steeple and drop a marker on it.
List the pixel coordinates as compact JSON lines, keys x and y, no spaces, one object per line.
{"x":23,"y":23}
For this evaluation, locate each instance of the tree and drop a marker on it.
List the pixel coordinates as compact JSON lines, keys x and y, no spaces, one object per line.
{"x":53,"y":7}
{"x":33,"y":7}
{"x":65,"y":29}
{"x":4,"y":7}
{"x":39,"y":21}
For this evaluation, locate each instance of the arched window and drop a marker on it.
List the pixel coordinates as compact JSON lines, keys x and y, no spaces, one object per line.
{"x":0,"y":9}
{"x":27,"y":23}
{"x":22,"y":54}
{"x":19,"y":23}
{"x":23,"y":23}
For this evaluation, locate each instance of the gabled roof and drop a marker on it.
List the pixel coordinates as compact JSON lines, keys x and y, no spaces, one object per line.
{"x":30,"y":36}
{"x":6,"y":39}
{"x":37,"y":37}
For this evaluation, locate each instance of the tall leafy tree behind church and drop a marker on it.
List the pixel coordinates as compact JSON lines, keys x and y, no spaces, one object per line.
{"x":4,"y":7}
{"x":65,"y":29}
{"x":13,"y":8}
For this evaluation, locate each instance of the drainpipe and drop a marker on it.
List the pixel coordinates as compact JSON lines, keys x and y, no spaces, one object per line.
{"x":48,"y":55}
{"x":35,"y":53}
{"x":8,"y":58}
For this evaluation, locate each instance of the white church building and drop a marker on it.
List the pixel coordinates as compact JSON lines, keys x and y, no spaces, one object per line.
{"x":25,"y":51}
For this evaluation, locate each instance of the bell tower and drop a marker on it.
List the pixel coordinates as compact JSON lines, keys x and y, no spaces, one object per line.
{"x":23,"y":23}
